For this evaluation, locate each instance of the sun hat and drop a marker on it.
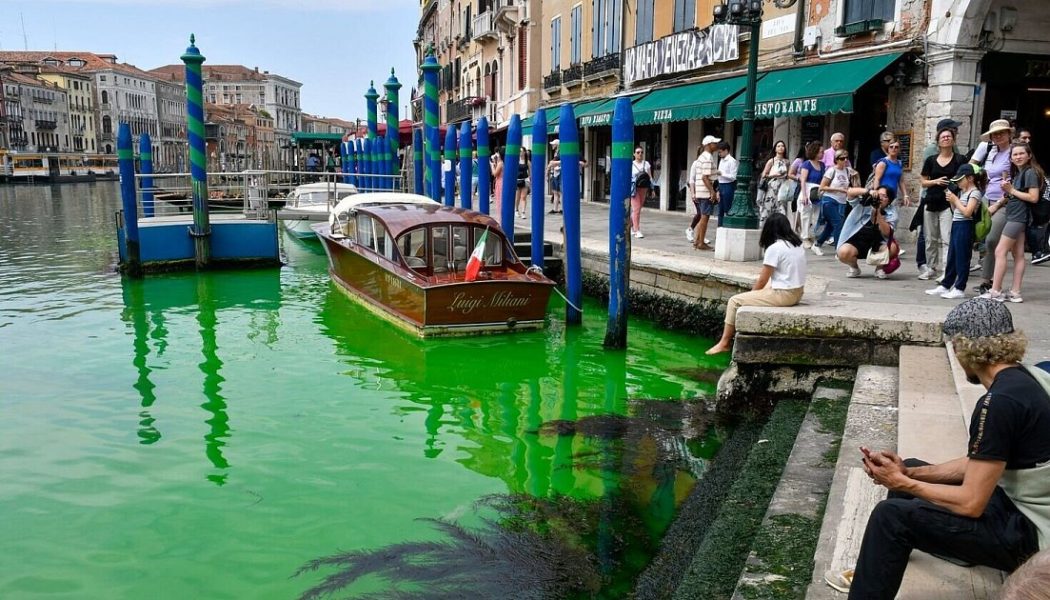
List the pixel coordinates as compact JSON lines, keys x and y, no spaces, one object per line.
{"x":710,"y":139}
{"x":996,"y":126}
{"x":966,"y":170}
{"x":979,"y":317}
{"x":555,"y":142}
{"x":948,"y":124}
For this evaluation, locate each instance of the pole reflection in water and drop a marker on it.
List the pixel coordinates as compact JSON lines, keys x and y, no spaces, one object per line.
{"x":135,"y":311}
{"x":214,"y":403}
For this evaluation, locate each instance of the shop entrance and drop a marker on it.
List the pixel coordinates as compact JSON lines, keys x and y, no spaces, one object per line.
{"x":1018,"y":89}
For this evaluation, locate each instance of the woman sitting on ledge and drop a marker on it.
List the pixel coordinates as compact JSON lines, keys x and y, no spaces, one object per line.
{"x":781,"y":281}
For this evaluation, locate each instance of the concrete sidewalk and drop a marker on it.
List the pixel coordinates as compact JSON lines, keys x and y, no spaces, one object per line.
{"x":665,"y":245}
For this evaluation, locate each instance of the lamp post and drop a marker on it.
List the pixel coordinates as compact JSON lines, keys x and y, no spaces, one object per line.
{"x":746,"y":13}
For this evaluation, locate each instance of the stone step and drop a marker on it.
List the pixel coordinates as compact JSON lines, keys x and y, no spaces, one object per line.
{"x":933,"y":426}
{"x":796,"y":508}
{"x":871,"y":421}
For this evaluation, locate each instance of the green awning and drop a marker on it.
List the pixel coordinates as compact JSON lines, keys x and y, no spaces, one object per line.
{"x":553,"y":112}
{"x":306,"y":138}
{"x":702,"y":100}
{"x":813,"y":90}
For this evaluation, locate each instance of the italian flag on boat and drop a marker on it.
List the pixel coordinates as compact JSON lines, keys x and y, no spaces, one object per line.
{"x":474,"y":263}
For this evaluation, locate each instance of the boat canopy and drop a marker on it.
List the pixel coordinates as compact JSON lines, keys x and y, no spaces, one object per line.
{"x":400,"y":218}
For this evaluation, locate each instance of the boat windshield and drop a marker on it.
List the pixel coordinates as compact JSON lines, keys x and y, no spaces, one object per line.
{"x":449,"y":249}
{"x":320,"y":198}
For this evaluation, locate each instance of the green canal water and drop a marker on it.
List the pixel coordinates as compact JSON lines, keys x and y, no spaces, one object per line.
{"x":205,"y":436}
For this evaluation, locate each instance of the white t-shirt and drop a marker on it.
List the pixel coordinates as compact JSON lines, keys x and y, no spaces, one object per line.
{"x":837,"y":178}
{"x":789,"y":265}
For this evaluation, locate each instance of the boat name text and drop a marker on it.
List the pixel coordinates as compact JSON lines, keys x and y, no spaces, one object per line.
{"x":464,"y":303}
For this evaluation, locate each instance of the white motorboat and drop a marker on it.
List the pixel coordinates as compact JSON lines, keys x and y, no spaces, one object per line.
{"x":311,"y":203}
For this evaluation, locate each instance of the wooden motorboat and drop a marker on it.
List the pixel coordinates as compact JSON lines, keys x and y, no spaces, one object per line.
{"x":405,"y":257}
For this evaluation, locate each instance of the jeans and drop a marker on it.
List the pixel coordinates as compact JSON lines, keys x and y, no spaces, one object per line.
{"x":725,"y":199}
{"x":920,"y":251}
{"x":834,"y":215}
{"x":960,"y":250}
{"x":937,"y":225}
{"x":1001,"y":538}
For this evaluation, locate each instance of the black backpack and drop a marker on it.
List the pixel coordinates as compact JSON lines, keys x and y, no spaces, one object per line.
{"x":1041,"y":209}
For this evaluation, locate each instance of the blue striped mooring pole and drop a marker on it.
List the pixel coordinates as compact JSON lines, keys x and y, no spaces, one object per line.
{"x":126,"y":164}
{"x":619,"y":240}
{"x":393,"y":134}
{"x":484,"y":166}
{"x":450,"y":158}
{"x":569,"y":150}
{"x":382,"y":162}
{"x":417,"y":160}
{"x":511,"y":153}
{"x":359,"y":163}
{"x":431,"y":133}
{"x":146,"y":169}
{"x":201,"y":229}
{"x":538,"y":169}
{"x":466,"y":172}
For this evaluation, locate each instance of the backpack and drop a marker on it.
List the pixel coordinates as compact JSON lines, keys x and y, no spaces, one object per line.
{"x":982,"y":221}
{"x":1041,"y":209}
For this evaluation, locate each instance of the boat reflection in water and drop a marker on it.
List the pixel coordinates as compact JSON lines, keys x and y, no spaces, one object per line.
{"x":149,"y":302}
{"x":551,"y":414}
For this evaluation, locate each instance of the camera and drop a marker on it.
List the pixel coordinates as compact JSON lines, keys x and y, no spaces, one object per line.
{"x":870,"y":198}
{"x":954,"y":188}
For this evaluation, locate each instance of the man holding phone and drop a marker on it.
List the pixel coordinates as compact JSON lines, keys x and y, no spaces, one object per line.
{"x":990,"y":507}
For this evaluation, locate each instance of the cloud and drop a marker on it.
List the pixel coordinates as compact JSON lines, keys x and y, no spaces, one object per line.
{"x":359,"y":6}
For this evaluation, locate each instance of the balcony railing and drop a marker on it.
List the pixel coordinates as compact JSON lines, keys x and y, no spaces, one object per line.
{"x":462,"y":110}
{"x":552,"y":81}
{"x":42,"y":100}
{"x":106,"y":136}
{"x":508,"y":13}
{"x":573,"y":75}
{"x":601,"y":67}
{"x":42,"y":124}
{"x":483,"y":27}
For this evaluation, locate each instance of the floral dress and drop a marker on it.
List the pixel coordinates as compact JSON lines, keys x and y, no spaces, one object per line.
{"x":767,"y":201}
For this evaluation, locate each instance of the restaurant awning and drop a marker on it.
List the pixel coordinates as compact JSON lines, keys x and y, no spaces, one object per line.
{"x":553,"y":114}
{"x":601,"y":112}
{"x":814,"y":90}
{"x":702,"y":100}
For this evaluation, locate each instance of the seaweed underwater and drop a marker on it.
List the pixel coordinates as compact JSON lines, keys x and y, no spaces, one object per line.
{"x":532,"y":547}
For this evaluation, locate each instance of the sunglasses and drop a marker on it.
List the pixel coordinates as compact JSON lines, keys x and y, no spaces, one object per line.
{"x":895,"y":146}
{"x":837,"y":158}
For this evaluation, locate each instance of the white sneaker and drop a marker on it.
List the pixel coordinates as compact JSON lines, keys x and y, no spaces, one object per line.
{"x":689,"y":235}
{"x":639,"y":234}
{"x":937,"y":291}
{"x":925,"y":273}
{"x":996,"y":295}
{"x":880,"y":274}
{"x":840,"y":581}
{"x":976,"y":267}
{"x":853,"y":272}
{"x":901,"y":253}
{"x":816,"y":250}
{"x":953,"y":294}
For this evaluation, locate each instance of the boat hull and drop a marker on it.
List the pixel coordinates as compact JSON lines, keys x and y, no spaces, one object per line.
{"x":441,"y":309}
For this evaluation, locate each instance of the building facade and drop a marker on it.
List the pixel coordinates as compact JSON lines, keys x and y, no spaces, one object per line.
{"x":79,"y":88}
{"x":45,"y":114}
{"x":859,"y":67}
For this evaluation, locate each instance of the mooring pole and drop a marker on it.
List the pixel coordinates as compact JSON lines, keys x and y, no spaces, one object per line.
{"x":344,"y":158}
{"x":466,"y":170}
{"x":393,"y":132}
{"x":146,"y":167}
{"x":569,"y":150}
{"x":484,"y":166}
{"x":450,"y":158}
{"x":507,"y":196}
{"x":431,"y":134}
{"x":359,"y":164}
{"x":537,"y":174}
{"x":619,"y":241}
{"x":201,"y":229}
{"x":382,"y":162}
{"x":126,"y":165}
{"x":371,"y":105}
{"x":367,"y":165}
{"x":417,"y":161}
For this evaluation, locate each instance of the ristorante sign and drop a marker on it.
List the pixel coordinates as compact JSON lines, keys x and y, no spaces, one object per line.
{"x":681,"y":52}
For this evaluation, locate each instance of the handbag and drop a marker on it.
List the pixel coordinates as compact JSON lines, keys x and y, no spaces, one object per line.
{"x":878,"y":258}
{"x":814,"y":195}
{"x":983,"y":223}
{"x":763,"y":184}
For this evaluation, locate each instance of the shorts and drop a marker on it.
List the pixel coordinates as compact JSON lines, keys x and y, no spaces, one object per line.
{"x":865,"y":240}
{"x":1013,"y":230}
{"x":522,"y":183}
{"x":705,"y":206}
{"x":556,"y":183}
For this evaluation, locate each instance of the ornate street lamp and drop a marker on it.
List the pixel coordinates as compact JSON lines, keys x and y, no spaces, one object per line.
{"x":746,"y":13}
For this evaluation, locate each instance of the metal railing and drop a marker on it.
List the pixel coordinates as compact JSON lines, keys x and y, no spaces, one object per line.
{"x":603,"y":65}
{"x":256,"y":194}
{"x":573,"y":74}
{"x":44,"y":124}
{"x":483,"y":26}
{"x":552,"y":81}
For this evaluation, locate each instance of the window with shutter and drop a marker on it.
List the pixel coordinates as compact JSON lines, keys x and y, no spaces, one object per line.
{"x":523,"y":57}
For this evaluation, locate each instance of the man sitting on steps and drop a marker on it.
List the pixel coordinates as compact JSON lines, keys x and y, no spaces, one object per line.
{"x":990,"y":507}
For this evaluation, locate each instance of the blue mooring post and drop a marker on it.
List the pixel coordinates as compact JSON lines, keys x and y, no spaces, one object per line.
{"x":201,"y":229}
{"x":146,"y":166}
{"x":450,"y":159}
{"x":537,"y":172}
{"x":393,"y":131}
{"x":359,"y":163}
{"x":126,"y":164}
{"x":367,"y":167}
{"x":484,"y":166}
{"x":381,"y":162}
{"x":466,"y":171}
{"x":619,"y":199}
{"x":569,"y":150}
{"x":344,"y":159}
{"x":417,"y":161}
{"x":510,"y":177}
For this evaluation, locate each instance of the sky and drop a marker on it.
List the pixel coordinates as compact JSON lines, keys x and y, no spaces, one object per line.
{"x":333,"y":47}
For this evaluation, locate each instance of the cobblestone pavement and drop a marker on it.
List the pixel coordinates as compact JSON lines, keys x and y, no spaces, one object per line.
{"x":665,"y":242}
